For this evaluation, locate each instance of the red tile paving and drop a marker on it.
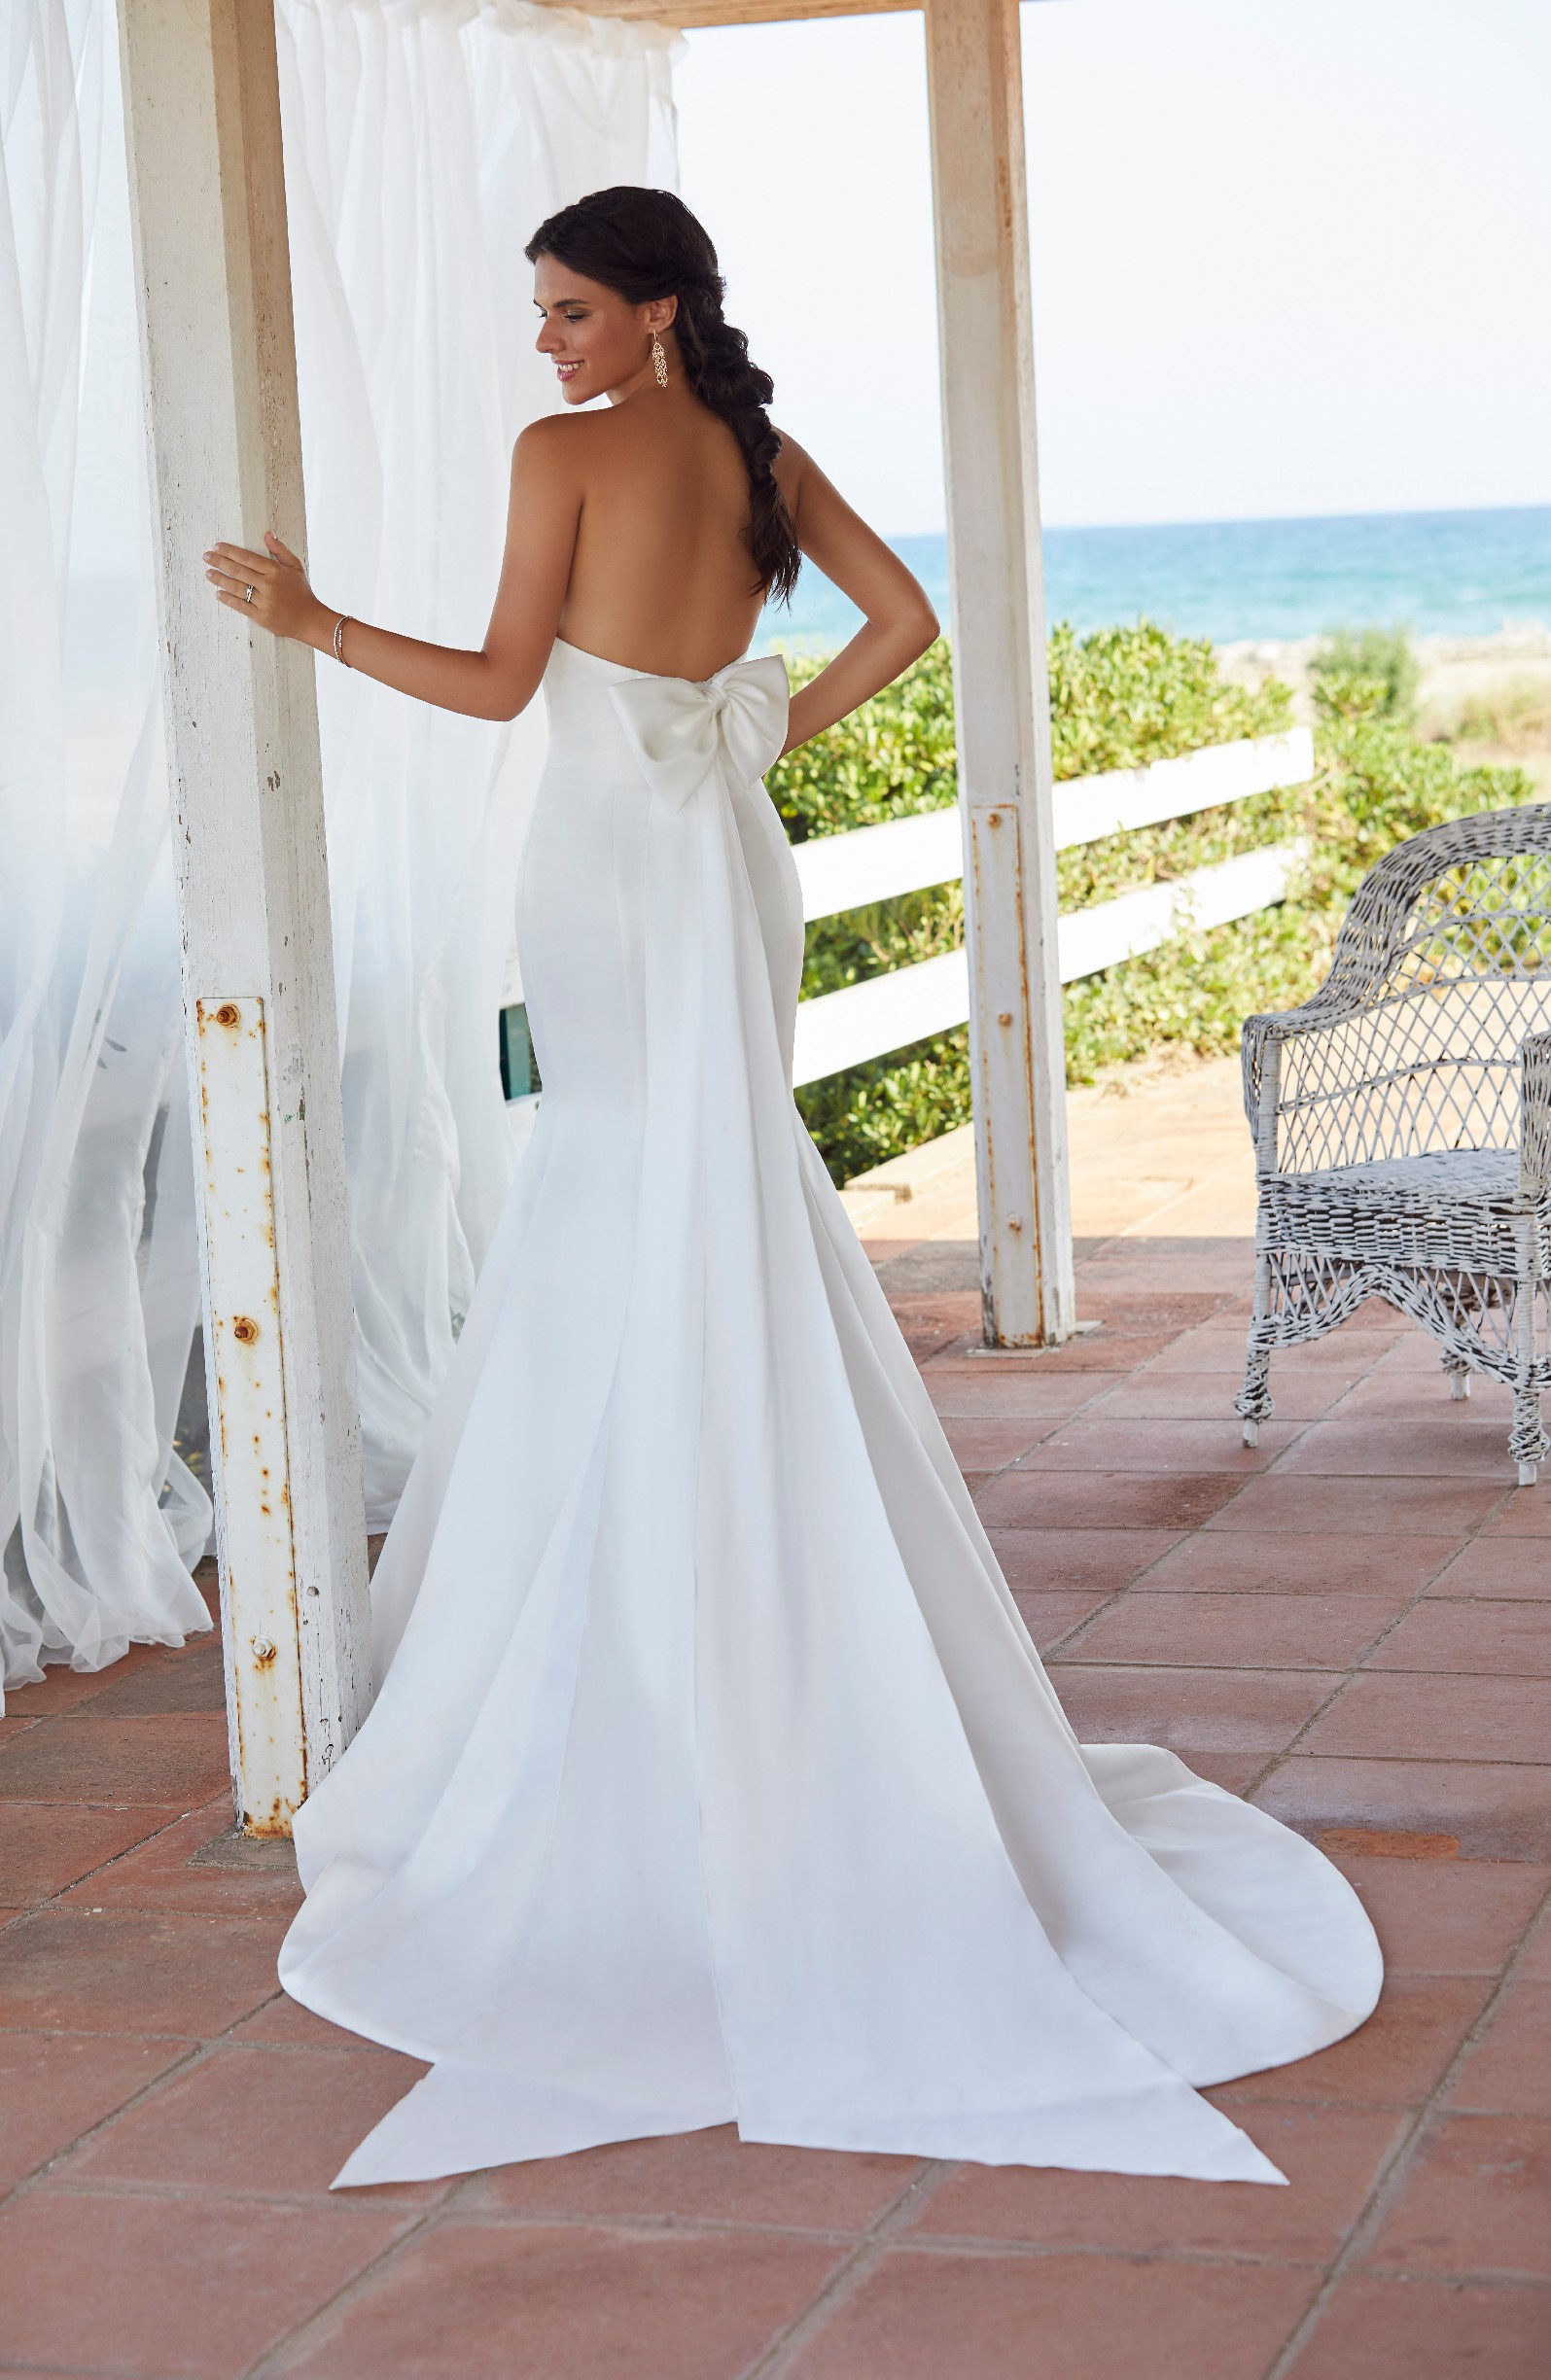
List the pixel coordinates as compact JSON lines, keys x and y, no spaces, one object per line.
{"x":1160,"y":1395}
{"x":922,"y":2316}
{"x":1396,"y":2059}
{"x":1100,"y":1561}
{"x":1471,"y":1638}
{"x":1475,"y":2200}
{"x":1097,"y":1441}
{"x":1384,"y":1714}
{"x":1376,"y":1506}
{"x":1509,"y":2070}
{"x":1331,"y":2156}
{"x":1051,"y":1618}
{"x":1216,"y":1632}
{"x":1275,"y":1562}
{"x":1483,"y":1808}
{"x":195,"y":2286}
{"x":1070,"y":1499}
{"x":1495,"y":1568}
{"x":1449,"y":1916}
{"x":1191,"y":1710}
{"x":1348,"y":1625}
{"x":1428,"y":2330}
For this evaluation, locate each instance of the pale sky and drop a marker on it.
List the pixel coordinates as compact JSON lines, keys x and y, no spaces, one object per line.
{"x":1289,"y":256}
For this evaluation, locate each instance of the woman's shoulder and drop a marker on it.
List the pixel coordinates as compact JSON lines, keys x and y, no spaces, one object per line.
{"x":554,"y":436}
{"x":569,"y":446}
{"x":791,"y":467}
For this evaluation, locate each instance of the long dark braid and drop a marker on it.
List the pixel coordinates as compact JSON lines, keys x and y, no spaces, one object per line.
{"x":646,"y":244}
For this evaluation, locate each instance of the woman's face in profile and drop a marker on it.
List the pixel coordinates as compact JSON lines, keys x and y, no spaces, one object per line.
{"x":592,"y":336}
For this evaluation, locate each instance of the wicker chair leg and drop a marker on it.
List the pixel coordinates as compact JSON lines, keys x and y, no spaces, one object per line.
{"x":1253,"y":1400}
{"x":1528,"y":1443}
{"x":1459,"y":1376}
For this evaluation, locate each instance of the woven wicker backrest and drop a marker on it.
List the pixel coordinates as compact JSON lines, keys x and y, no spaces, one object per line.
{"x":1442,"y":967}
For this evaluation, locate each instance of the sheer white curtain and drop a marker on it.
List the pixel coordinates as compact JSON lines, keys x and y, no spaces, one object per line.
{"x":424,"y":143}
{"x":98,"y":1285}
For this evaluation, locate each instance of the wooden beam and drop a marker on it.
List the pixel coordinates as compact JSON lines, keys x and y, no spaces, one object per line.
{"x":202,"y":119}
{"x":689,"y":15}
{"x":1000,"y":692}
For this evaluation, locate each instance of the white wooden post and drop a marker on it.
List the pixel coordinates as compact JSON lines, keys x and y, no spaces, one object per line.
{"x":208,"y":206}
{"x":1000,"y":692}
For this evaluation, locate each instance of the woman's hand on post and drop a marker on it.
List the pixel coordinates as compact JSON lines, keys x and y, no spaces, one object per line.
{"x":272,"y":588}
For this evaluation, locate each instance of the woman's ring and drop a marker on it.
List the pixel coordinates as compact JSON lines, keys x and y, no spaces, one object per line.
{"x":248,"y":598}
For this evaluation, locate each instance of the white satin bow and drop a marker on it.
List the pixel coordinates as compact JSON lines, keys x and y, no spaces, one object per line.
{"x":681,"y":730}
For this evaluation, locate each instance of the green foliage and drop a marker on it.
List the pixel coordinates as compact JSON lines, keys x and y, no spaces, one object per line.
{"x":890,"y":760}
{"x":1124,"y":697}
{"x":1375,"y":784}
{"x":873,"y":1113}
{"x":1373,"y":675}
{"x":1118,"y":699}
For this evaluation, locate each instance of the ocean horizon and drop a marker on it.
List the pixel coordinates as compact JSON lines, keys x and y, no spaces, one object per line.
{"x":1452,"y":573}
{"x":1432,"y":574}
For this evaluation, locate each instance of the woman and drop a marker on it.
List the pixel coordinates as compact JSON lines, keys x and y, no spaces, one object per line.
{"x":712,"y":1775}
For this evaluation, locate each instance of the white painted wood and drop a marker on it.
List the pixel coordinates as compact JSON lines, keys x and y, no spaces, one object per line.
{"x":874,"y":863}
{"x":888,"y":1012}
{"x":1120,"y":800}
{"x":1001,"y":695}
{"x":261,"y":1647}
{"x":691,"y":14}
{"x":1133,"y":923}
{"x":208,"y":215}
{"x":866,"y":1020}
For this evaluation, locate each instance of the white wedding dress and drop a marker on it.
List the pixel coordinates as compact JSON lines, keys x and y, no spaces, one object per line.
{"x":712,"y":1775}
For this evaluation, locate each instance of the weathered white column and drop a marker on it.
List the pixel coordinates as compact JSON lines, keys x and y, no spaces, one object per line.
{"x":1000,"y":688}
{"x":208,"y":206}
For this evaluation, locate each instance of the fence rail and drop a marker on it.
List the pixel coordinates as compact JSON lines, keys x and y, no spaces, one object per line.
{"x":866,"y":1020}
{"x":872,"y":863}
{"x":876,"y":863}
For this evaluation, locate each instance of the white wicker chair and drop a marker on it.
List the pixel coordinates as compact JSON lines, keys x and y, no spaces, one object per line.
{"x":1402,"y":1119}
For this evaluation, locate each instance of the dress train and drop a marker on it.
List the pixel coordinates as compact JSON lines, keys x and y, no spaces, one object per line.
{"x":712,"y":1774}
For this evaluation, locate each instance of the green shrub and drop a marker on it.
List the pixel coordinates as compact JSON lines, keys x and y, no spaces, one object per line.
{"x":1124,"y":697}
{"x":873,"y":1113}
{"x":1118,"y":699}
{"x":1373,"y":673}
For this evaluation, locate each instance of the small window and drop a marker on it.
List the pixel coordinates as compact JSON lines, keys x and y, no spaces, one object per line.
{"x":519,"y":1068}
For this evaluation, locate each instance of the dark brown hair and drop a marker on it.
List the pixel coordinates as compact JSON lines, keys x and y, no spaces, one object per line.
{"x":645,"y":244}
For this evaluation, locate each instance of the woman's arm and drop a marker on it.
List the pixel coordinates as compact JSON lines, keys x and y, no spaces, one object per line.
{"x":502,"y":677}
{"x":900,"y":621}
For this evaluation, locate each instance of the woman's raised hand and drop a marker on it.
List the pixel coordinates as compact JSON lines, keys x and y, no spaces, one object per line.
{"x":272,"y":588}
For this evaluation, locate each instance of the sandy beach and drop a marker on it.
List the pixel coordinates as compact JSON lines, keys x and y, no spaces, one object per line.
{"x":1490,"y":696}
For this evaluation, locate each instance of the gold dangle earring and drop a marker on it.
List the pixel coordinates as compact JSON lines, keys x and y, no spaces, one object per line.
{"x":660,"y":361}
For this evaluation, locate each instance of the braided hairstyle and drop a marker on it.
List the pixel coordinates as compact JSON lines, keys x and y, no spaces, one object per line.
{"x":645,"y":244}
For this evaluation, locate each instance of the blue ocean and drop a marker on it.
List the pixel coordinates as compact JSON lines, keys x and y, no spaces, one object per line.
{"x":1451,"y":574}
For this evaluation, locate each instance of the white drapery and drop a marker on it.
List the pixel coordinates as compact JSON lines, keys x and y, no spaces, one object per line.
{"x":98,"y":1283}
{"x":424,"y":143}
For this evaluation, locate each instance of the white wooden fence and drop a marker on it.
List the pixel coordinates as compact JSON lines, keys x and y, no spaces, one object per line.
{"x":873,"y":863}
{"x":876,"y":863}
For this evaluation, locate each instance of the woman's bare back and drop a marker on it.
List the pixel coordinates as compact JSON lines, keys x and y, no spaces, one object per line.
{"x":628,"y":535}
{"x":661,"y":578}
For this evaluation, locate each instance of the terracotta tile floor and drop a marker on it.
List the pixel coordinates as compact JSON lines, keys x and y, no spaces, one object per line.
{"x":1352,"y":1626}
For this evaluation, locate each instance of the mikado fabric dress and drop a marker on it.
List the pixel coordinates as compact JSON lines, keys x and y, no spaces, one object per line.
{"x":712,"y":1777}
